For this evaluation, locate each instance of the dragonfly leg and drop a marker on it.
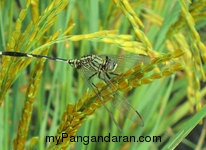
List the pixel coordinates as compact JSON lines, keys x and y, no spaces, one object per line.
{"x":89,"y":79}
{"x":116,"y":74}
{"x":92,"y":76}
{"x":107,"y":76}
{"x":104,"y":79}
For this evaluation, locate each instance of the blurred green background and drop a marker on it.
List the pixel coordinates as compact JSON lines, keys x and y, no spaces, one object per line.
{"x":163,"y":104}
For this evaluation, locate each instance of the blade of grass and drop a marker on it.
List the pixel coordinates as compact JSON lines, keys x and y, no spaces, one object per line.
{"x":186,"y":129}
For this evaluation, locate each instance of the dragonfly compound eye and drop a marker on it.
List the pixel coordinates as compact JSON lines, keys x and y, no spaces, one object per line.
{"x":112,"y":65}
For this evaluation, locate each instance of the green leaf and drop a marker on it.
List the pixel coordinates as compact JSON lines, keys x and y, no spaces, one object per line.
{"x":186,"y":130}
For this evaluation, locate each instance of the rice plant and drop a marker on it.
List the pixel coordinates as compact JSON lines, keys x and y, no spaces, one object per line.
{"x":47,"y":104}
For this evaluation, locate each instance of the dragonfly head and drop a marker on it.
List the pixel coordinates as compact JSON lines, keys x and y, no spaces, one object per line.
{"x":112,"y":65}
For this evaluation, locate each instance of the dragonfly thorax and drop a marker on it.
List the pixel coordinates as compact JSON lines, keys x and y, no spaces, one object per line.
{"x":105,"y":65}
{"x":94,"y":63}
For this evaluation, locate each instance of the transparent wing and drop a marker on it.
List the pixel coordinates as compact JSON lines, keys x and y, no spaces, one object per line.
{"x":86,"y":74}
{"x":122,"y":104}
{"x":127,"y":61}
{"x":119,"y":102}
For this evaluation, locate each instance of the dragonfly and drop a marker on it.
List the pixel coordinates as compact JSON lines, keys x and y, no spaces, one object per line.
{"x":104,"y":67}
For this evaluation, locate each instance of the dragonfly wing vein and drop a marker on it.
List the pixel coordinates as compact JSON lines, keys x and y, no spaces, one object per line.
{"x":91,"y":84}
{"x":121,"y":103}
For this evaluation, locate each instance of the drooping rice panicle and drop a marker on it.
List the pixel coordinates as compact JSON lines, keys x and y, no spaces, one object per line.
{"x":141,"y":74}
